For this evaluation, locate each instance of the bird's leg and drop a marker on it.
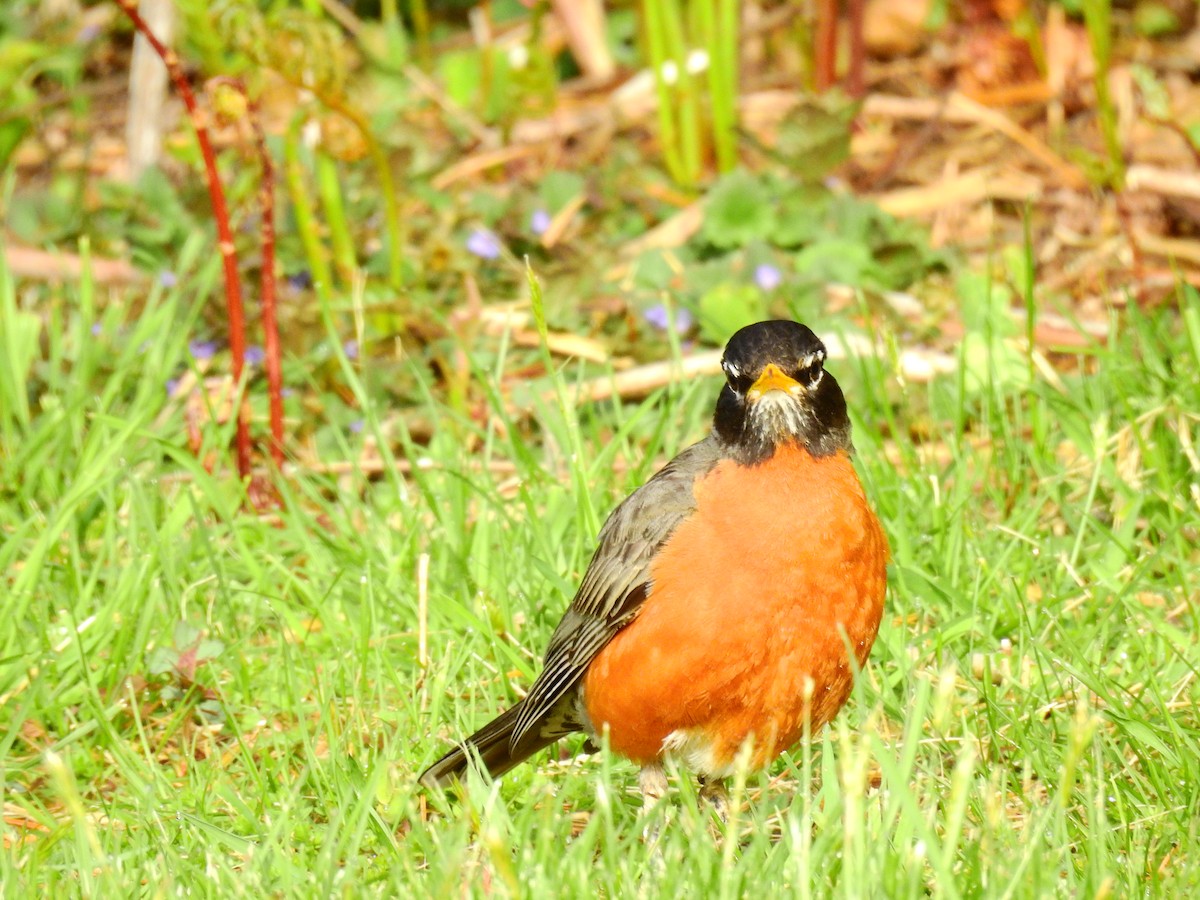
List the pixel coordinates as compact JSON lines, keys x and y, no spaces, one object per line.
{"x":652,"y":781}
{"x":713,"y":793}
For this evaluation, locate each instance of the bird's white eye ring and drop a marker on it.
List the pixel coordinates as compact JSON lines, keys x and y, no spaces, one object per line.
{"x":813,"y":359}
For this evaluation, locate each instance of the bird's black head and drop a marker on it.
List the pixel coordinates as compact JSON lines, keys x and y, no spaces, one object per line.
{"x":776,"y":392}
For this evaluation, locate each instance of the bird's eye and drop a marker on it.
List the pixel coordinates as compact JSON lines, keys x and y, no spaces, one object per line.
{"x":738,"y":380}
{"x":810,"y":369}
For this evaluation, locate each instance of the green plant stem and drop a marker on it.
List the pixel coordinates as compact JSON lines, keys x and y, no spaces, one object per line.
{"x":719,"y":26}
{"x":306,"y":222}
{"x":1097,"y":18}
{"x":383,"y":172}
{"x":688,"y":99}
{"x":395,"y":234}
{"x":330,"y":189}
{"x":419,"y":10}
{"x":668,"y":136}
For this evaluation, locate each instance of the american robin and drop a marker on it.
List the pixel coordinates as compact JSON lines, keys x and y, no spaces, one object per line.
{"x":731,"y":598}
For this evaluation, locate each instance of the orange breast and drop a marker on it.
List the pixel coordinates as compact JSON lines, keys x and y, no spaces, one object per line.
{"x":754,"y":602}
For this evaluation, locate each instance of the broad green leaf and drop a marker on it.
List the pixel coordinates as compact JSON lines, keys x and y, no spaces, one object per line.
{"x":740,"y":209}
{"x":728,"y":307}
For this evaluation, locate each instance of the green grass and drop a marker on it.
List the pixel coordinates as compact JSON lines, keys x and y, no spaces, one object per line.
{"x":1027,"y":726}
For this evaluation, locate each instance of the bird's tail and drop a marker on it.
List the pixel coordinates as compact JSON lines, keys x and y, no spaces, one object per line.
{"x":492,"y":745}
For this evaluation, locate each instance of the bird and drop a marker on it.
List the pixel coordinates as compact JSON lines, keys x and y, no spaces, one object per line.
{"x":731,"y":599}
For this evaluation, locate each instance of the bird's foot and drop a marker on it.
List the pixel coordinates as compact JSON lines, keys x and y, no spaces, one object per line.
{"x":714,"y":795}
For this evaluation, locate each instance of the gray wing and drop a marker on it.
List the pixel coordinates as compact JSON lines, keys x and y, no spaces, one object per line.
{"x":617,"y":580}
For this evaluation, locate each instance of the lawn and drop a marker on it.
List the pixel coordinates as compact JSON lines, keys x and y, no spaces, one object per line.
{"x":200,"y":698}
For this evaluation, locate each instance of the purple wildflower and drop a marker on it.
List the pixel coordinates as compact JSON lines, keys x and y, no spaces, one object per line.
{"x":167,"y":278}
{"x":350,"y":348}
{"x":97,"y":329}
{"x":202,"y":349}
{"x":539,"y":222}
{"x":356,"y":426}
{"x":300,"y":281}
{"x":87,"y":34}
{"x":767,"y":276}
{"x":483,"y":244}
{"x":658,"y":317}
{"x":254,"y":355}
{"x":172,"y":386}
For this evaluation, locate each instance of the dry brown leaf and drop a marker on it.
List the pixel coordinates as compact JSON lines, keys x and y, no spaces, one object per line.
{"x":562,"y":343}
{"x":895,"y":27}
{"x":562,"y":220}
{"x":968,"y":188}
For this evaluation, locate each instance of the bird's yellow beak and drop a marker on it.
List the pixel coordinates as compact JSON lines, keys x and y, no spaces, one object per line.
{"x":771,"y":379}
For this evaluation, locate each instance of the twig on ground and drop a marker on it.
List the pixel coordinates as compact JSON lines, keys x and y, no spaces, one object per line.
{"x":1033,"y":145}
{"x":960,"y":109}
{"x":1171,"y":248}
{"x":918,"y":365}
{"x":967,"y":188}
{"x":27,"y":262}
{"x":1166,"y":182}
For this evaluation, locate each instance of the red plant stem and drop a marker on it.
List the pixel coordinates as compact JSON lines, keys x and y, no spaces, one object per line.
{"x":216,"y":195}
{"x":825,"y":55}
{"x":270,"y":324}
{"x":855,"y":76}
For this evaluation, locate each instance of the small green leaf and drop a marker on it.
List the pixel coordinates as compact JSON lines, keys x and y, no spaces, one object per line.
{"x":985,"y":304}
{"x":856,"y":220}
{"x":834,"y":260}
{"x":726,"y":308}
{"x":896,"y":266}
{"x":460,"y":73}
{"x":1155,"y":20}
{"x":161,"y":660}
{"x":12,"y":133}
{"x":651,"y":270}
{"x":992,"y":363}
{"x":185,"y":635}
{"x":558,"y":188}
{"x":209,"y":648}
{"x":801,"y":217}
{"x":739,"y":210}
{"x":814,"y":139}
{"x":1155,"y":97}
